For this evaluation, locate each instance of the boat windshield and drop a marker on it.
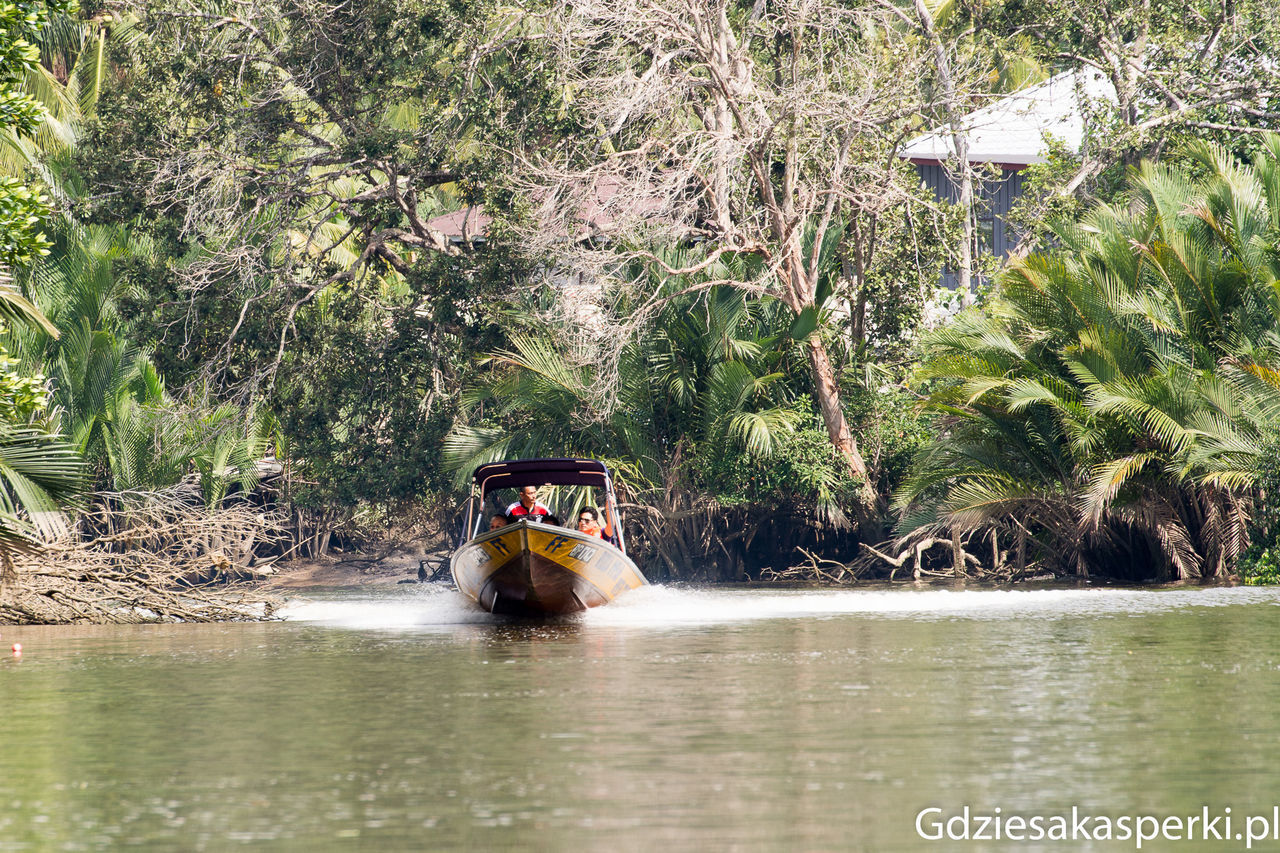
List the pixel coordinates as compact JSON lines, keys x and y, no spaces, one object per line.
{"x":513,"y":474}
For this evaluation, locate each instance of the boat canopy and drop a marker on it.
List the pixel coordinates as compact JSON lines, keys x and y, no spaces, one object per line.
{"x":540,"y":472}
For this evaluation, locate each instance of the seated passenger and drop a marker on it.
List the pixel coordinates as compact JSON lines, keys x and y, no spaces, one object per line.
{"x":498,"y":520}
{"x":588,"y":522}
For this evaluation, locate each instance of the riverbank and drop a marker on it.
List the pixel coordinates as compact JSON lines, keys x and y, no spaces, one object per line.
{"x":400,"y":564}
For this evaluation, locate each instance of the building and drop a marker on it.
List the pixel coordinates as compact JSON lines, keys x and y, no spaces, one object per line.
{"x":1009,"y":135}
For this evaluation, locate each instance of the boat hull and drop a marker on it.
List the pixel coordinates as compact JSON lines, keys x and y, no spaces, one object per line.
{"x":534,"y":569}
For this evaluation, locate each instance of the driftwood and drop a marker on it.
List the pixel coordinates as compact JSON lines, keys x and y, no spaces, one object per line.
{"x":909,"y":554}
{"x":915,"y":551}
{"x":147,"y":558}
{"x":815,"y":568}
{"x":1005,"y":564}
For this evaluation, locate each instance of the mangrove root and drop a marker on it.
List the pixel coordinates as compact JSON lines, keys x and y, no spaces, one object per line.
{"x":146,"y":558}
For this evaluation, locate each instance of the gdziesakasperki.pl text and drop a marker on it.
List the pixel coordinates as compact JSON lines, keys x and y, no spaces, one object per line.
{"x":935,"y":824}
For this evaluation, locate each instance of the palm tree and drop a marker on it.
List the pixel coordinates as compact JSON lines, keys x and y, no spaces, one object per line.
{"x":1112,"y":402}
{"x":107,"y":395}
{"x":68,"y":82}
{"x":40,"y":473}
{"x":540,"y":403}
{"x":706,"y":386}
{"x":706,"y":365}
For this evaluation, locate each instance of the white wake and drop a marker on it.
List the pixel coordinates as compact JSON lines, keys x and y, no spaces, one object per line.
{"x":438,"y":607}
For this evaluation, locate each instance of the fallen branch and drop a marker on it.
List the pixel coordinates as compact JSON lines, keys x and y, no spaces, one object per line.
{"x":147,"y":558}
{"x":814,"y":570}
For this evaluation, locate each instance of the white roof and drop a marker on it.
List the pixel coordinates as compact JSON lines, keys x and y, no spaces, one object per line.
{"x":1013,"y":129}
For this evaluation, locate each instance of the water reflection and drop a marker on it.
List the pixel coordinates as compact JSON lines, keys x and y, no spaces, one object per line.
{"x":688,"y":719}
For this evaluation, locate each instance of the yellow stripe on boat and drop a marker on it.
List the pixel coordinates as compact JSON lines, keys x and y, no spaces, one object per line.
{"x":597,"y":562}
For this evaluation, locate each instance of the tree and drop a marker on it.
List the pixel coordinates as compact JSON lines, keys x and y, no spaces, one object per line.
{"x":73,"y":68}
{"x":1180,"y":72}
{"x":1173,"y":66}
{"x":747,"y":129}
{"x":370,"y":385}
{"x":1115,"y":402}
{"x":289,"y":149}
{"x":953,"y":109}
{"x":107,"y":396}
{"x":22,"y":210}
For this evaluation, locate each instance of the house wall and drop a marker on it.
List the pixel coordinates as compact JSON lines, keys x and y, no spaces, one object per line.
{"x":994,"y":198}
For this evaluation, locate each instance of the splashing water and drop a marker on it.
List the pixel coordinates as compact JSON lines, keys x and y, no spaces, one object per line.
{"x":416,"y":608}
{"x":436,"y":607}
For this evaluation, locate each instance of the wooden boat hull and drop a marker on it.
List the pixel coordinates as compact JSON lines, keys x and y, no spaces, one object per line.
{"x":534,"y":569}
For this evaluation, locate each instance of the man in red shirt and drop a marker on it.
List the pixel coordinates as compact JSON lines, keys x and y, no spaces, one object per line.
{"x":528,"y":504}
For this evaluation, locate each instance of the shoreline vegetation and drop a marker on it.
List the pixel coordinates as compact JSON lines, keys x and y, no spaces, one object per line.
{"x":139,"y":558}
{"x":273,"y":281}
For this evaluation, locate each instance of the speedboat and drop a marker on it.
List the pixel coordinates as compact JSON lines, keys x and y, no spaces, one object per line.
{"x":533,"y":567}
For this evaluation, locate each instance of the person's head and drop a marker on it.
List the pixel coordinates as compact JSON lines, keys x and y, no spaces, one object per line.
{"x":588,"y":518}
{"x":497,"y":521}
{"x":528,"y":496}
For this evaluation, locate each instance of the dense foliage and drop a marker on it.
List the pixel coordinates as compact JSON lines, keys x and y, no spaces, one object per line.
{"x":700,"y":258}
{"x":22,"y":207}
{"x":713,"y":428}
{"x":1114,"y":400}
{"x":39,"y":472}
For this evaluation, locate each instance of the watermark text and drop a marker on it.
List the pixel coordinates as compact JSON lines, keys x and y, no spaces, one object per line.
{"x":968,"y":824}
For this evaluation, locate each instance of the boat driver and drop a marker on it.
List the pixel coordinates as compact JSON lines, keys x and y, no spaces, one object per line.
{"x":527,"y":505}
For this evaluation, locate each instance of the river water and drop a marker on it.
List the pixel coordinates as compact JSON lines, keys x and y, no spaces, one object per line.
{"x":673,"y":719}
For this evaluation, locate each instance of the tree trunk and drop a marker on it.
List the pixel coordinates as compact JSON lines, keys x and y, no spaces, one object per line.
{"x":854,"y":271}
{"x":828,"y":391}
{"x":8,"y":573}
{"x":723,"y":130}
{"x":959,"y":139}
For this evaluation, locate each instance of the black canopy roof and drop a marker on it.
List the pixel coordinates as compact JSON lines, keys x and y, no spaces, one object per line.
{"x":515,"y":473}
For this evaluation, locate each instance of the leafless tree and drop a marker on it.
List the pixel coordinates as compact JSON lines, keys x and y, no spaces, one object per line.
{"x":954,"y":110}
{"x":740,"y":129}
{"x":1172,"y":63}
{"x":1196,"y":68}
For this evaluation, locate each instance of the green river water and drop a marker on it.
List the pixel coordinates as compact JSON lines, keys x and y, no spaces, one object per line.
{"x":674,"y":719}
